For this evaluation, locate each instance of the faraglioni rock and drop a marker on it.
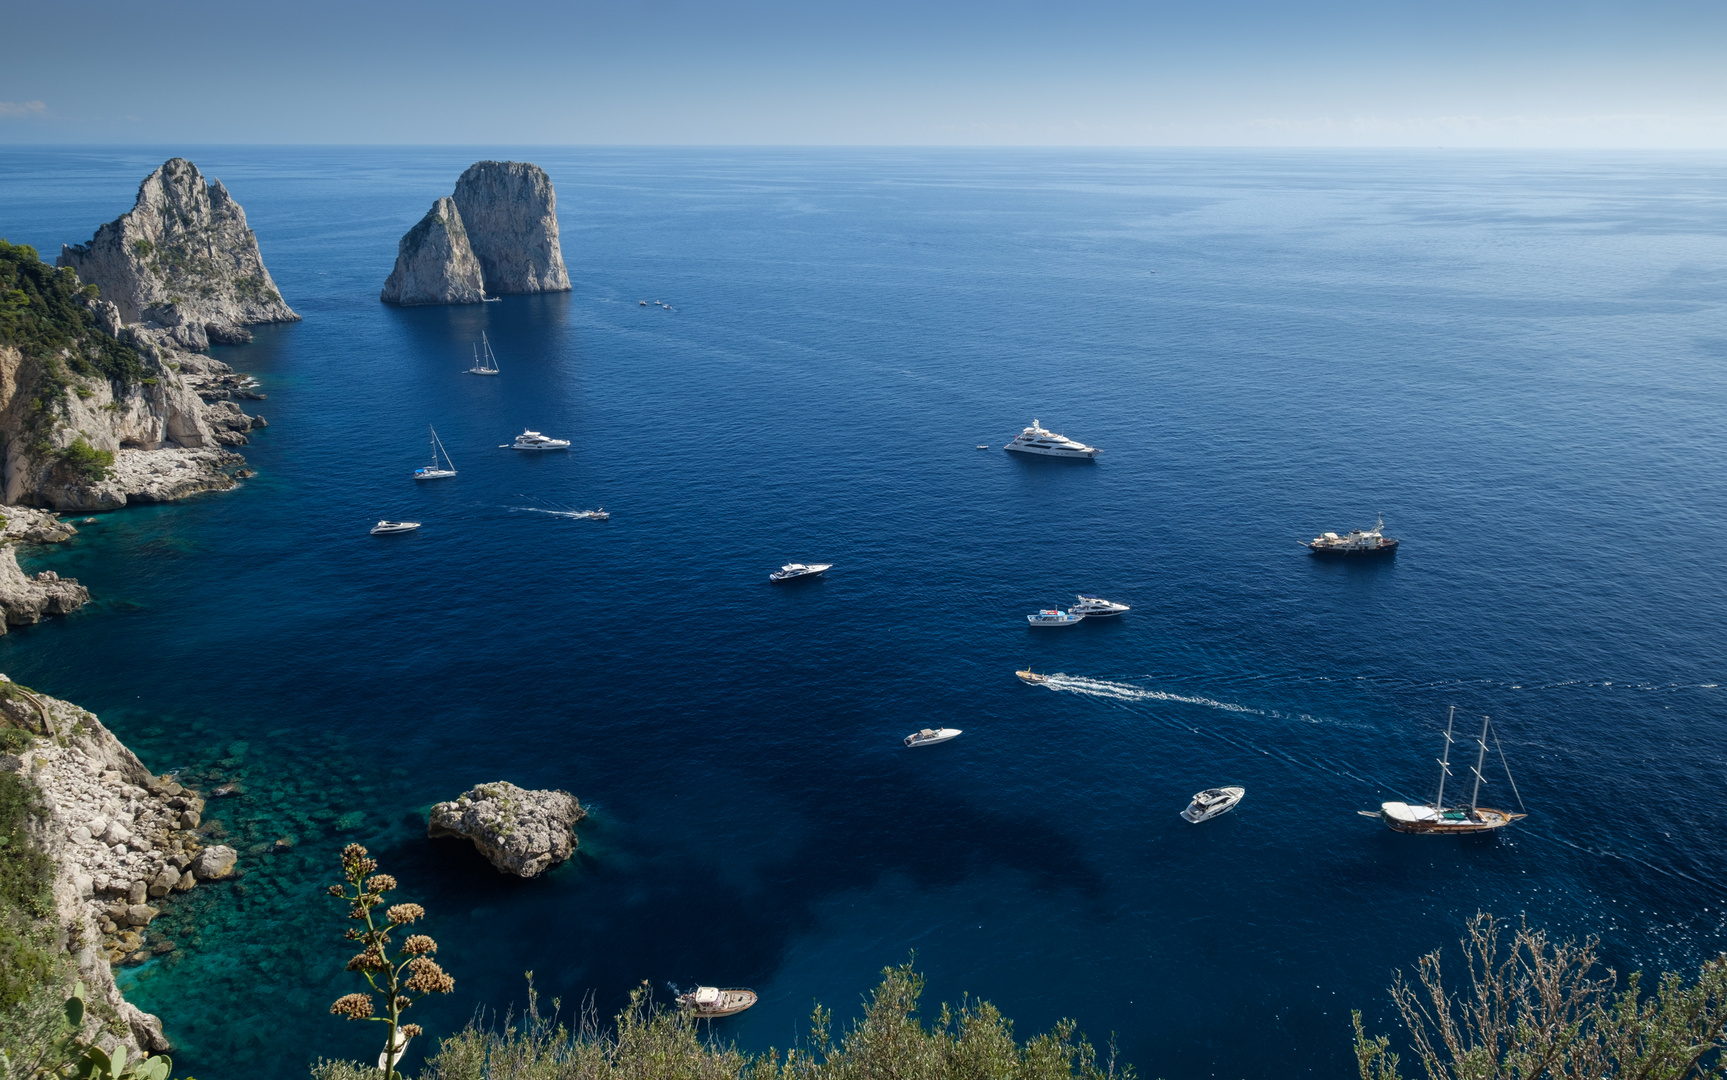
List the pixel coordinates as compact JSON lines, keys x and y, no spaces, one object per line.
{"x":434,"y":263}
{"x":498,"y":234}
{"x":522,"y":832}
{"x":184,"y":261}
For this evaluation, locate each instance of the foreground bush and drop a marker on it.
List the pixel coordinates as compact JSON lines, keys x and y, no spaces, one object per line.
{"x":1541,"y":1010}
{"x":889,"y":1042}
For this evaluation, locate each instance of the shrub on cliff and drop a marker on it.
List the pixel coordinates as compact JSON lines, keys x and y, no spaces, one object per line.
{"x":84,"y":463}
{"x":1541,"y":1010}
{"x":42,"y":312}
{"x":27,"y":956}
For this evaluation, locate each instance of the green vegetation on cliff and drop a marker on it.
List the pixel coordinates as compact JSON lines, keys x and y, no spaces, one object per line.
{"x":42,"y":312}
{"x":28,"y":958}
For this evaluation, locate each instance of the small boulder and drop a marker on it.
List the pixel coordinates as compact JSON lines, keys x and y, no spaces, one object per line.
{"x":522,"y":832}
{"x":187,"y":880}
{"x":214,"y":862}
{"x":140,"y":914}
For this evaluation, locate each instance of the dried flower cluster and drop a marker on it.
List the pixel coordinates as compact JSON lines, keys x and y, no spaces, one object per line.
{"x":397,"y":980}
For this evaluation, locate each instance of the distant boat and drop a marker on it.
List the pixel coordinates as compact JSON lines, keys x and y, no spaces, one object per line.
{"x":533,"y":440}
{"x":486,"y":364}
{"x":708,"y":1002}
{"x":492,"y":300}
{"x":1359,"y":542}
{"x":385,"y":528}
{"x":931,"y":736}
{"x":1211,"y":802}
{"x":793,"y":570}
{"x":1054,"y":617}
{"x":1439,"y":819}
{"x":434,"y":471}
{"x":1097,"y":607}
{"x":1033,"y":677}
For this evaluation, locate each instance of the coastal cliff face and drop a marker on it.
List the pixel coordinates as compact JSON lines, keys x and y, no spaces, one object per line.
{"x":122,"y":843}
{"x":511,"y":213}
{"x":183,"y":261}
{"x":434,"y":262}
{"x":498,"y":234}
{"x":95,"y":413}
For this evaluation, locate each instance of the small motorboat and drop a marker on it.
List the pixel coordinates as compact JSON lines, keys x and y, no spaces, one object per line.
{"x":1053,"y":617}
{"x":643,"y":303}
{"x":385,"y":528}
{"x":983,"y":446}
{"x":598,"y":513}
{"x":1212,"y":802}
{"x":708,"y":1002}
{"x":931,"y":736}
{"x":1097,"y":607}
{"x":1033,"y":677}
{"x":399,"y":1043}
{"x":793,"y":570}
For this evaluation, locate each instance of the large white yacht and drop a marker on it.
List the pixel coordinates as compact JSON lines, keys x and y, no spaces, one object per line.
{"x":1212,"y":802}
{"x":533,"y":440}
{"x":794,"y":570}
{"x":1096,"y":607}
{"x":1038,"y":440}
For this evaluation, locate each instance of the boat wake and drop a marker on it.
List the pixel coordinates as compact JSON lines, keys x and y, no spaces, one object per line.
{"x":576,"y":515}
{"x":1104,"y":688}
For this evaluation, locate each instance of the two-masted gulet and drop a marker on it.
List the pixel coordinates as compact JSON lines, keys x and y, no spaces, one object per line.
{"x":1439,"y":819}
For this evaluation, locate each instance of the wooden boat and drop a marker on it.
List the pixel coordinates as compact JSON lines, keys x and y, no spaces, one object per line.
{"x":1033,"y":677}
{"x":708,"y":1002}
{"x":1441,"y":820}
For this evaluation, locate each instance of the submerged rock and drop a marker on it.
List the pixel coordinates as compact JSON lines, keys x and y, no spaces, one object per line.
{"x":214,"y":862}
{"x":434,"y":263}
{"x":522,"y":832}
{"x":183,"y":260}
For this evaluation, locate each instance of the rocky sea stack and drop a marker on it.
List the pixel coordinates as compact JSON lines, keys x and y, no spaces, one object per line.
{"x":522,"y":832}
{"x":497,"y":235}
{"x":184,"y":261}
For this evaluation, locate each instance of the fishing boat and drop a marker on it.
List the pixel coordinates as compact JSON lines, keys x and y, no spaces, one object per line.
{"x":1439,"y":819}
{"x":931,"y":736}
{"x":1211,"y":802}
{"x":1358,"y":542}
{"x":708,"y":1002}
{"x":435,"y":471}
{"x":1054,"y":617}
{"x":486,"y":364}
{"x":385,"y":528}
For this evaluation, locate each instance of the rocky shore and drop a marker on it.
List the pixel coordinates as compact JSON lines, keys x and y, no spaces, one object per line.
{"x":25,"y":599}
{"x":123,"y":843}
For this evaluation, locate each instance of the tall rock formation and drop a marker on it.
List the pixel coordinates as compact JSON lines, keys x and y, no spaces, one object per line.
{"x":499,"y":234}
{"x":511,"y":213}
{"x":182,"y":261}
{"x":434,"y":264}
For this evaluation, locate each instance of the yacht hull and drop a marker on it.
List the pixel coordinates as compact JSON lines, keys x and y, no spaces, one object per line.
{"x":1042,"y":451}
{"x":1485,"y":820}
{"x":1387,"y":546}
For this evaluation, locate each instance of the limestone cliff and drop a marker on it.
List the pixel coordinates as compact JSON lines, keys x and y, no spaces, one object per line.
{"x":182,"y":261}
{"x":498,"y":234}
{"x":434,"y":263}
{"x":94,"y":414}
{"x":121,"y":841}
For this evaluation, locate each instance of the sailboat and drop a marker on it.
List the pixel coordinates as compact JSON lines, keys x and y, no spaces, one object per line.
{"x":435,"y":471}
{"x":487,"y":364}
{"x":1450,"y":820}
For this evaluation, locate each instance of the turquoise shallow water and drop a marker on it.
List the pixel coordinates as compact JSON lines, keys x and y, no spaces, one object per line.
{"x":1519,"y":360}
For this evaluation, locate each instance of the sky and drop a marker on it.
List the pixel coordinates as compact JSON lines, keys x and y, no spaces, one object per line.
{"x":1454,"y":73}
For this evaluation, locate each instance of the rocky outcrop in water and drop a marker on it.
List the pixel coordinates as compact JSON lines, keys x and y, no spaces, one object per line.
{"x":434,"y":263}
{"x":25,"y":598}
{"x":122,"y":842}
{"x":522,"y":832}
{"x":502,"y":223}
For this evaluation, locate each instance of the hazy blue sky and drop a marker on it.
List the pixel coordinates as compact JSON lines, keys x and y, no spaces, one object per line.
{"x":1092,"y":72}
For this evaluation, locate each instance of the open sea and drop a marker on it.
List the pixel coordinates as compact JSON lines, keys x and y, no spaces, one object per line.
{"x":1520,"y":360}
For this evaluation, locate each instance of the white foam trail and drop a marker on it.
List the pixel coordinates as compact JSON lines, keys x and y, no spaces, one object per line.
{"x":579,"y":515}
{"x":1127,"y":692}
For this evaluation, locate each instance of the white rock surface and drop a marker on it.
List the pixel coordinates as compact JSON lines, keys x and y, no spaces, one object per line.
{"x":521,"y":831}
{"x":434,"y":262}
{"x":183,"y":260}
{"x":510,"y":211}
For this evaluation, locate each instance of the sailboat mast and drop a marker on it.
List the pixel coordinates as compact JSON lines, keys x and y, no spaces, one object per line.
{"x":1445,"y":762}
{"x":1479,"y":761}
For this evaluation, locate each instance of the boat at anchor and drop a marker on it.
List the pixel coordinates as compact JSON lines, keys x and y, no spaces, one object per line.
{"x":709,"y":1002}
{"x":486,"y":364}
{"x":1358,"y":542}
{"x":436,"y":471}
{"x":1438,"y":819}
{"x":1211,"y":802}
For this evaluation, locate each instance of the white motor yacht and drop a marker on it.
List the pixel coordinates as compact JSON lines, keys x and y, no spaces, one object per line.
{"x":1054,"y":617}
{"x":793,"y":570}
{"x":385,"y":528}
{"x":931,"y":736}
{"x":533,"y":440}
{"x":1038,"y":440}
{"x":1212,"y":802}
{"x":1097,"y":607}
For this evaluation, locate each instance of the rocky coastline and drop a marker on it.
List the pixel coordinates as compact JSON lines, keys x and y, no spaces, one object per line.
{"x":123,"y":842}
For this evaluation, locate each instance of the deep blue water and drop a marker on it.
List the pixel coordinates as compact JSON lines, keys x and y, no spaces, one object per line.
{"x":1520,"y":360}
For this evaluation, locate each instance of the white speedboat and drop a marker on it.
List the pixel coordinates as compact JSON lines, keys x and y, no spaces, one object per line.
{"x":1212,"y":802}
{"x":707,"y":1002}
{"x":1097,"y":607}
{"x":1036,"y":439}
{"x":1053,"y":617}
{"x":487,"y":364}
{"x":931,"y":736}
{"x":533,"y":440}
{"x":437,"y":470}
{"x":385,"y":528}
{"x":793,"y":570}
